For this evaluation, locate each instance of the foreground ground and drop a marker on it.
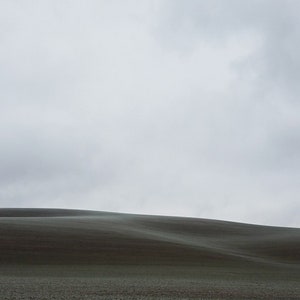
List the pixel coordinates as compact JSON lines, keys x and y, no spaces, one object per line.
{"x":128,"y":282}
{"x":63,"y":254}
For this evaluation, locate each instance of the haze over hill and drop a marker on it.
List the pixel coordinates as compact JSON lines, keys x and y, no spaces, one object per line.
{"x":88,"y":244}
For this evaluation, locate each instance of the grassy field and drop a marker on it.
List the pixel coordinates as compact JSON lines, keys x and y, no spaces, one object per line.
{"x":71,"y":254}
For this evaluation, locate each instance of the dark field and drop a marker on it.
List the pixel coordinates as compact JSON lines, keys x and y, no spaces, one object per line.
{"x":65,"y":254}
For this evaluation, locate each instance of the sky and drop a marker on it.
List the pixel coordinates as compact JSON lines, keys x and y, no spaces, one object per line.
{"x":169,"y":107}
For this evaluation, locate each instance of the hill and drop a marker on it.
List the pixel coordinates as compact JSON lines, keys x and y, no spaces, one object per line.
{"x":38,"y":243}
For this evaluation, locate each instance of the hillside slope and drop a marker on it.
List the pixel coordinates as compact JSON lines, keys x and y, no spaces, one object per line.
{"x":49,"y":236}
{"x":72,"y":254}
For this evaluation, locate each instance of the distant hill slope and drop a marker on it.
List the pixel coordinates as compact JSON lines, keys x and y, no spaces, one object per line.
{"x":54,"y":236}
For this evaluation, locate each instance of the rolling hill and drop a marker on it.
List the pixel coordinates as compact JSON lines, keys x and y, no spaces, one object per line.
{"x":57,"y":243}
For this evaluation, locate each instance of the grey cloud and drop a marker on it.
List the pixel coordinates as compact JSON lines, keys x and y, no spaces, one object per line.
{"x":275,"y":22}
{"x":157,"y":107}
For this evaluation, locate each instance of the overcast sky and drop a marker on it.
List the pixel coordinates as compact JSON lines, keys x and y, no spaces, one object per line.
{"x":172,"y":107}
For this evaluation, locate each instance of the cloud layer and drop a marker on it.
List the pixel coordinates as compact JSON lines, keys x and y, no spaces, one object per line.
{"x":160,"y":107}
